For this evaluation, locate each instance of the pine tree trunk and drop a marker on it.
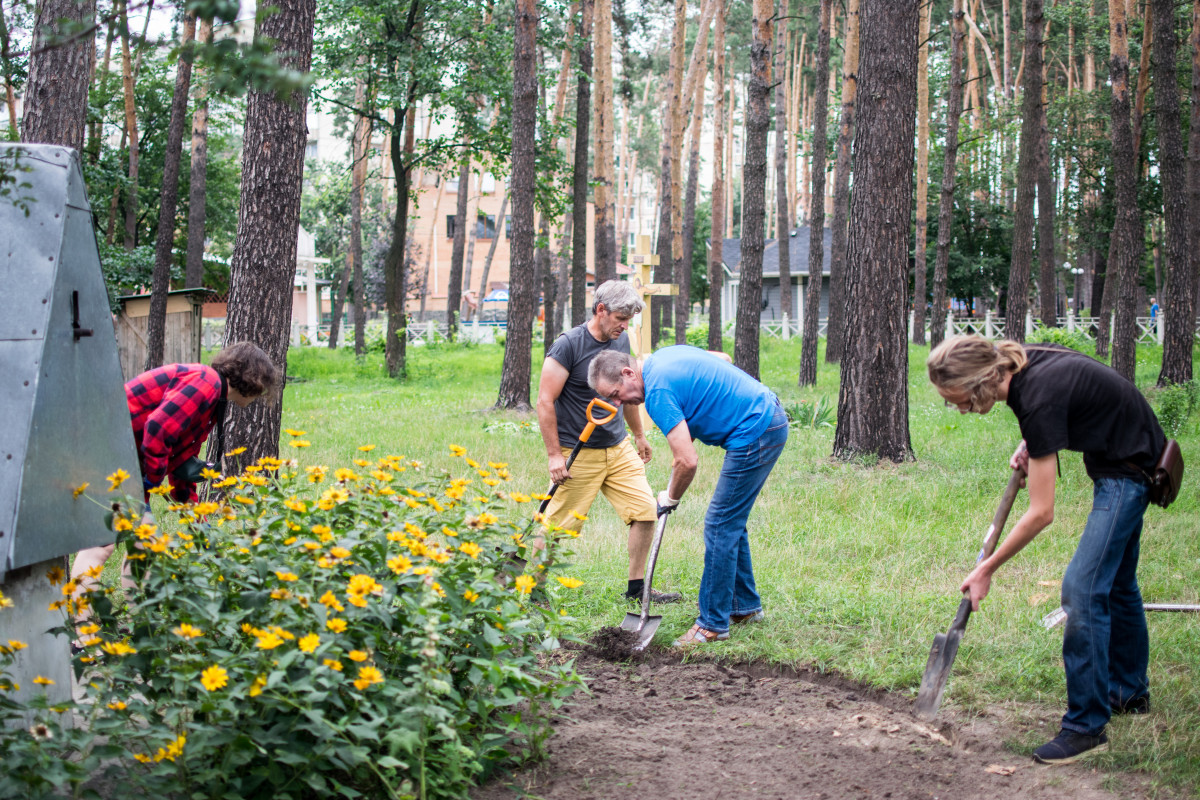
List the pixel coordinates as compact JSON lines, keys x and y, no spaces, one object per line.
{"x":783,"y":222}
{"x":873,"y":401}
{"x":605,"y":262}
{"x":579,"y":186}
{"x":56,"y":91}
{"x":95,"y":123}
{"x":131,"y":190}
{"x":716,"y":255}
{"x":1179,"y":304}
{"x":758,"y":118}
{"x":359,"y":152}
{"x":1047,"y":259}
{"x":395,"y":265}
{"x":515,"y":374}
{"x":477,"y":222}
{"x":683,"y":301}
{"x":1127,"y":226}
{"x":339,"y":306}
{"x":458,"y":253}
{"x":264,"y":255}
{"x":1027,"y":175}
{"x":941,"y":268}
{"x":922,"y":185}
{"x":165,"y":239}
{"x":1193,"y":169}
{"x":660,"y":307}
{"x":834,"y":328}
{"x":816,"y":223}
{"x":199,"y":172}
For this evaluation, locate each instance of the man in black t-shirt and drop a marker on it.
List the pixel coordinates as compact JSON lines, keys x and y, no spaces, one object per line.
{"x":608,"y":462}
{"x":1064,"y":400}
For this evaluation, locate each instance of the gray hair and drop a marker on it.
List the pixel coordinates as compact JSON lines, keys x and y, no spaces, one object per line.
{"x":607,"y":366}
{"x":618,"y":297}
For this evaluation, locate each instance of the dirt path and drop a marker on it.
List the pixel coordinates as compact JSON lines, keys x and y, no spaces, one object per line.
{"x":683,"y":731}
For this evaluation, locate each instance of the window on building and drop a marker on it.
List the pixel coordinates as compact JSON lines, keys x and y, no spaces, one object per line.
{"x":508,"y":226}
{"x":485,"y":226}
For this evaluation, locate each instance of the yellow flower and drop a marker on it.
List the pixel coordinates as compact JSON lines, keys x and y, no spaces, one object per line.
{"x":578,"y":516}
{"x":187,"y":631}
{"x":399,"y":565}
{"x":286,"y":576}
{"x":456,"y":451}
{"x":237,"y":451}
{"x":203,"y":509}
{"x":315,"y":474}
{"x":472,"y":463}
{"x":335,"y":496}
{"x":117,"y":705}
{"x":335,"y":624}
{"x":17,"y":645}
{"x":470,"y":596}
{"x":56,"y":576}
{"x":280,"y":594}
{"x":118,"y":649}
{"x":570,"y":583}
{"x":497,"y":465}
{"x":293,"y":432}
{"x":122,"y":525}
{"x":116,"y":479}
{"x":80,"y":489}
{"x":339,"y":552}
{"x":5,"y":602}
{"x":525,"y":583}
{"x":254,"y":480}
{"x":257,"y":687}
{"x":161,"y":491}
{"x":471,"y":549}
{"x":214,"y":678}
{"x":381,"y":476}
{"x":359,"y":655}
{"x":86,"y":630}
{"x":448,"y":532}
{"x":249,"y":501}
{"x":40,"y":681}
{"x":330,"y":601}
{"x":342,"y":474}
{"x":210,"y":474}
{"x":482,"y":521}
{"x":308,"y":644}
{"x":300,"y":443}
{"x":491,"y":481}
{"x":230,"y":481}
{"x":367,"y":676}
{"x":361,"y":585}
{"x":517,"y":497}
{"x":334,"y":665}
{"x":268,"y":640}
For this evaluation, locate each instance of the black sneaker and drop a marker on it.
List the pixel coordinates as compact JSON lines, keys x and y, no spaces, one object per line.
{"x":1068,"y":747}
{"x":656,"y":597}
{"x":1138,"y":705}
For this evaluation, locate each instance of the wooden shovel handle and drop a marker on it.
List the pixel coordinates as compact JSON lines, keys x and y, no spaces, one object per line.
{"x":992,"y":537}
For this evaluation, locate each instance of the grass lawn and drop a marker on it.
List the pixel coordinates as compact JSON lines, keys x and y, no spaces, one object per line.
{"x":858,"y":564}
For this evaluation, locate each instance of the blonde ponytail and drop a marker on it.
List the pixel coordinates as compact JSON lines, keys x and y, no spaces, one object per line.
{"x":975,"y":365}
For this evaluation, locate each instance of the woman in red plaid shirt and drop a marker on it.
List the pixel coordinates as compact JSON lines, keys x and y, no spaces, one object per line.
{"x":174,"y":408}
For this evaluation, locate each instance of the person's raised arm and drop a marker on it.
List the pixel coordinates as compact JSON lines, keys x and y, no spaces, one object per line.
{"x":550,"y":386}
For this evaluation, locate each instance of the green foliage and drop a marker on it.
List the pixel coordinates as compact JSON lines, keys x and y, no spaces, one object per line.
{"x":1072,"y":339}
{"x":1176,"y":404}
{"x":820,"y":413}
{"x":128,"y":272}
{"x":360,"y":631}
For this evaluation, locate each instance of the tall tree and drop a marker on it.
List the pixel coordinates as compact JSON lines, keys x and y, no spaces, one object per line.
{"x":873,"y":401}
{"x":660,"y":307}
{"x":128,"y":79}
{"x":579,"y":186}
{"x":60,"y":71}
{"x":1047,"y":262}
{"x":194,"y":274}
{"x":754,"y":178}
{"x":1027,"y":174}
{"x":515,"y":374}
{"x":816,"y":216}
{"x":605,"y":260}
{"x":264,"y":255}
{"x":1193,"y":170}
{"x":716,"y":252}
{"x":164,"y":245}
{"x":835,"y":326}
{"x":1127,"y":227}
{"x":359,"y":149}
{"x":459,"y":250}
{"x":1180,"y":301}
{"x":783,"y":211}
{"x":922,"y":189}
{"x":683,"y":300}
{"x":954,"y":98}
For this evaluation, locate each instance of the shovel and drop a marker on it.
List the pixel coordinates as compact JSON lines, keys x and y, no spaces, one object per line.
{"x":644,"y":625}
{"x":945,"y":645}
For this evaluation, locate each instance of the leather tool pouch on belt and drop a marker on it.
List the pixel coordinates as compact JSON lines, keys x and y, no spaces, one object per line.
{"x":1167,"y":475}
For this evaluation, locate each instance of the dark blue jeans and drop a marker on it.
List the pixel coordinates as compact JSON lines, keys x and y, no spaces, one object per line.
{"x":727,"y":586}
{"x":1105,"y":645}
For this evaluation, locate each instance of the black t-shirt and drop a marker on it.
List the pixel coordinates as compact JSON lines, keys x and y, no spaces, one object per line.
{"x":575,"y":350}
{"x":1065,"y":400}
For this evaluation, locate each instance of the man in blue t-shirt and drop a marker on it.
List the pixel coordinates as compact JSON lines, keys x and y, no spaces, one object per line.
{"x":692,"y":394}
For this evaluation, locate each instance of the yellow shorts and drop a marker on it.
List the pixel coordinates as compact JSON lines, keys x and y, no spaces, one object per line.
{"x":616,"y":471}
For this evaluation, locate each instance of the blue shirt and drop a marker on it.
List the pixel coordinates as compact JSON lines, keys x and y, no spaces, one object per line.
{"x":722,"y":405}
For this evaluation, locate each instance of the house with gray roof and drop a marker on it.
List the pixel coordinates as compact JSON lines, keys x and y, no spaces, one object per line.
{"x":797,"y":244}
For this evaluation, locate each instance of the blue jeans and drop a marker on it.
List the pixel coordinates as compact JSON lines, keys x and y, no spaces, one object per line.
{"x":1105,"y":645}
{"x":727,"y":586}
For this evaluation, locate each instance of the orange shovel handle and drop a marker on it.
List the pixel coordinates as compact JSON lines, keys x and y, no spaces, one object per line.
{"x":591,"y":418}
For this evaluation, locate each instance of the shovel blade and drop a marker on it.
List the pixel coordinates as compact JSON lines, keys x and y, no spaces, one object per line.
{"x":645,"y":632}
{"x":937,"y":673}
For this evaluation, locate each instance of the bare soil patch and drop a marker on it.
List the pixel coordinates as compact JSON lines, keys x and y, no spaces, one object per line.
{"x":672,"y":730}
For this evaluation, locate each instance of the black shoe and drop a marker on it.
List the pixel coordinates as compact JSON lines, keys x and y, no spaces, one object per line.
{"x":1069,"y":747}
{"x":1138,"y":705}
{"x":657,"y":597}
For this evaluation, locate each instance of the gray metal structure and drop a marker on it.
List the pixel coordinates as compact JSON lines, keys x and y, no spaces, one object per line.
{"x":65,"y":419}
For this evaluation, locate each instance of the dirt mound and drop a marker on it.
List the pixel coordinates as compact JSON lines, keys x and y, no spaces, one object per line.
{"x":612,"y":644}
{"x":680,"y":731}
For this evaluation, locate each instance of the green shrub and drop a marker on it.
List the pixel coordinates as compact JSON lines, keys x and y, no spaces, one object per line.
{"x":1176,"y":404}
{"x":1072,"y":339}
{"x":813,"y":415}
{"x":363,"y":631}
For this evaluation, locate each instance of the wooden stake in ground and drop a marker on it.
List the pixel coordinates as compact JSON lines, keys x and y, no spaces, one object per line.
{"x":816,"y":225}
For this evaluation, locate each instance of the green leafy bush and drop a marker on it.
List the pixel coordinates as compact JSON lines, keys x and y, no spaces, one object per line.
{"x":818,"y":414}
{"x":1176,"y":404}
{"x":1072,"y":339}
{"x":356,"y":632}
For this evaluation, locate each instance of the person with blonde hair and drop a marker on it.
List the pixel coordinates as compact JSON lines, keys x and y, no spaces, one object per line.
{"x":1064,"y":400}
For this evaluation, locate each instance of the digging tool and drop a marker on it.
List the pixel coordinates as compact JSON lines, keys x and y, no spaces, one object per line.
{"x":644,"y":625}
{"x":945,"y":645}
{"x":586,"y":434}
{"x":1058,"y":615}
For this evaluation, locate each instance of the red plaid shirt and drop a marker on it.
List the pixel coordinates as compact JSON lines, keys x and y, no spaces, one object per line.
{"x":172,"y":409}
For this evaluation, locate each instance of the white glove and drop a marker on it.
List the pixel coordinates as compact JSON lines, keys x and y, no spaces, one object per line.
{"x":666,"y":503}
